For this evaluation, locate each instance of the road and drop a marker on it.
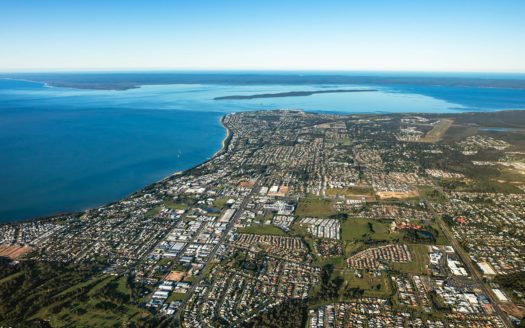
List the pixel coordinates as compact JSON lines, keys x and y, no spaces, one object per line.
{"x":211,"y":256}
{"x":465,"y":258}
{"x":473,"y":270}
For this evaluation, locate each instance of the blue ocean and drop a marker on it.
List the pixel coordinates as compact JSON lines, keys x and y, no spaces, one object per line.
{"x":65,"y":149}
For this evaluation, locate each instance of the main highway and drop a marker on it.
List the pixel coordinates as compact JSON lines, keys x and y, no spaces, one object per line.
{"x":233,"y":221}
{"x":465,"y":258}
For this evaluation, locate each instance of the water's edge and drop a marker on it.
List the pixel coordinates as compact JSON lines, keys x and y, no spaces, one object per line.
{"x":225,"y":144}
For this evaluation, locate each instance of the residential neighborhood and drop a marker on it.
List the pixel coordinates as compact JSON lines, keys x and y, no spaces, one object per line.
{"x":358,"y":220}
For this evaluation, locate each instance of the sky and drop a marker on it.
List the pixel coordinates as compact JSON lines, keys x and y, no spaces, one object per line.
{"x":353,"y":35}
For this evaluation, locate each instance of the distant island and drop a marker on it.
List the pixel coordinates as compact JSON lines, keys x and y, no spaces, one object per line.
{"x":289,"y":94}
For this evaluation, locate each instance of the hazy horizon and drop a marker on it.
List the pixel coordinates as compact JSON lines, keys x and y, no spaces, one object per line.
{"x":257,"y":71}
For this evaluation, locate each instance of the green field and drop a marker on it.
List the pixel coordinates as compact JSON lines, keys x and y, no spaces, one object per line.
{"x":169,"y":204}
{"x":312,"y":206}
{"x":220,"y":202}
{"x":353,"y":247}
{"x":373,"y":286}
{"x":360,"y":229}
{"x":175,"y":205}
{"x":336,"y":261}
{"x":420,"y":260}
{"x":340,"y":141}
{"x":176,"y":297}
{"x":440,"y":238}
{"x":262,"y":229}
{"x":368,"y":285}
{"x":152,"y":212}
{"x":432,"y":194}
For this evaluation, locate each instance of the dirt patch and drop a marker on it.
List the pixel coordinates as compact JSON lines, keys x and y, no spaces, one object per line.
{"x":13,"y":251}
{"x":247,"y":184}
{"x":512,"y":309}
{"x":397,"y":194}
{"x":176,"y":276}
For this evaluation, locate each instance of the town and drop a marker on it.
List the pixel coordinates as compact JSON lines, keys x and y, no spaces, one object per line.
{"x":302,"y":219}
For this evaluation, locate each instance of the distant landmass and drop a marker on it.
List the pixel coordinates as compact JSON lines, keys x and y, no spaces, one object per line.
{"x":289,"y":94}
{"x":130,"y":80}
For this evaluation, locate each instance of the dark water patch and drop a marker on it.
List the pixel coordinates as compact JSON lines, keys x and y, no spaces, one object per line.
{"x":499,"y":129}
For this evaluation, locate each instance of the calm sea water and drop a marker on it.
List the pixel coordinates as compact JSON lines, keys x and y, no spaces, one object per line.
{"x":66,"y":149}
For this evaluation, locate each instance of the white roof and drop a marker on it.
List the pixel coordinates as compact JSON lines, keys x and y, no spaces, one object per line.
{"x":499,"y":294}
{"x":486,"y":268}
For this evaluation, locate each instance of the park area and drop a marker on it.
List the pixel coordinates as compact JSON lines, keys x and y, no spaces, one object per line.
{"x":313,"y":206}
{"x":355,"y":229}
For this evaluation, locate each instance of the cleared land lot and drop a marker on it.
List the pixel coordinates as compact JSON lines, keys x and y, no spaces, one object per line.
{"x":397,"y":194}
{"x":13,"y":251}
{"x":314,"y":207}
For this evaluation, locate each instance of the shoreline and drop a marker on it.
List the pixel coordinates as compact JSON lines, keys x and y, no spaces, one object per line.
{"x":224,"y":148}
{"x":225,"y":144}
